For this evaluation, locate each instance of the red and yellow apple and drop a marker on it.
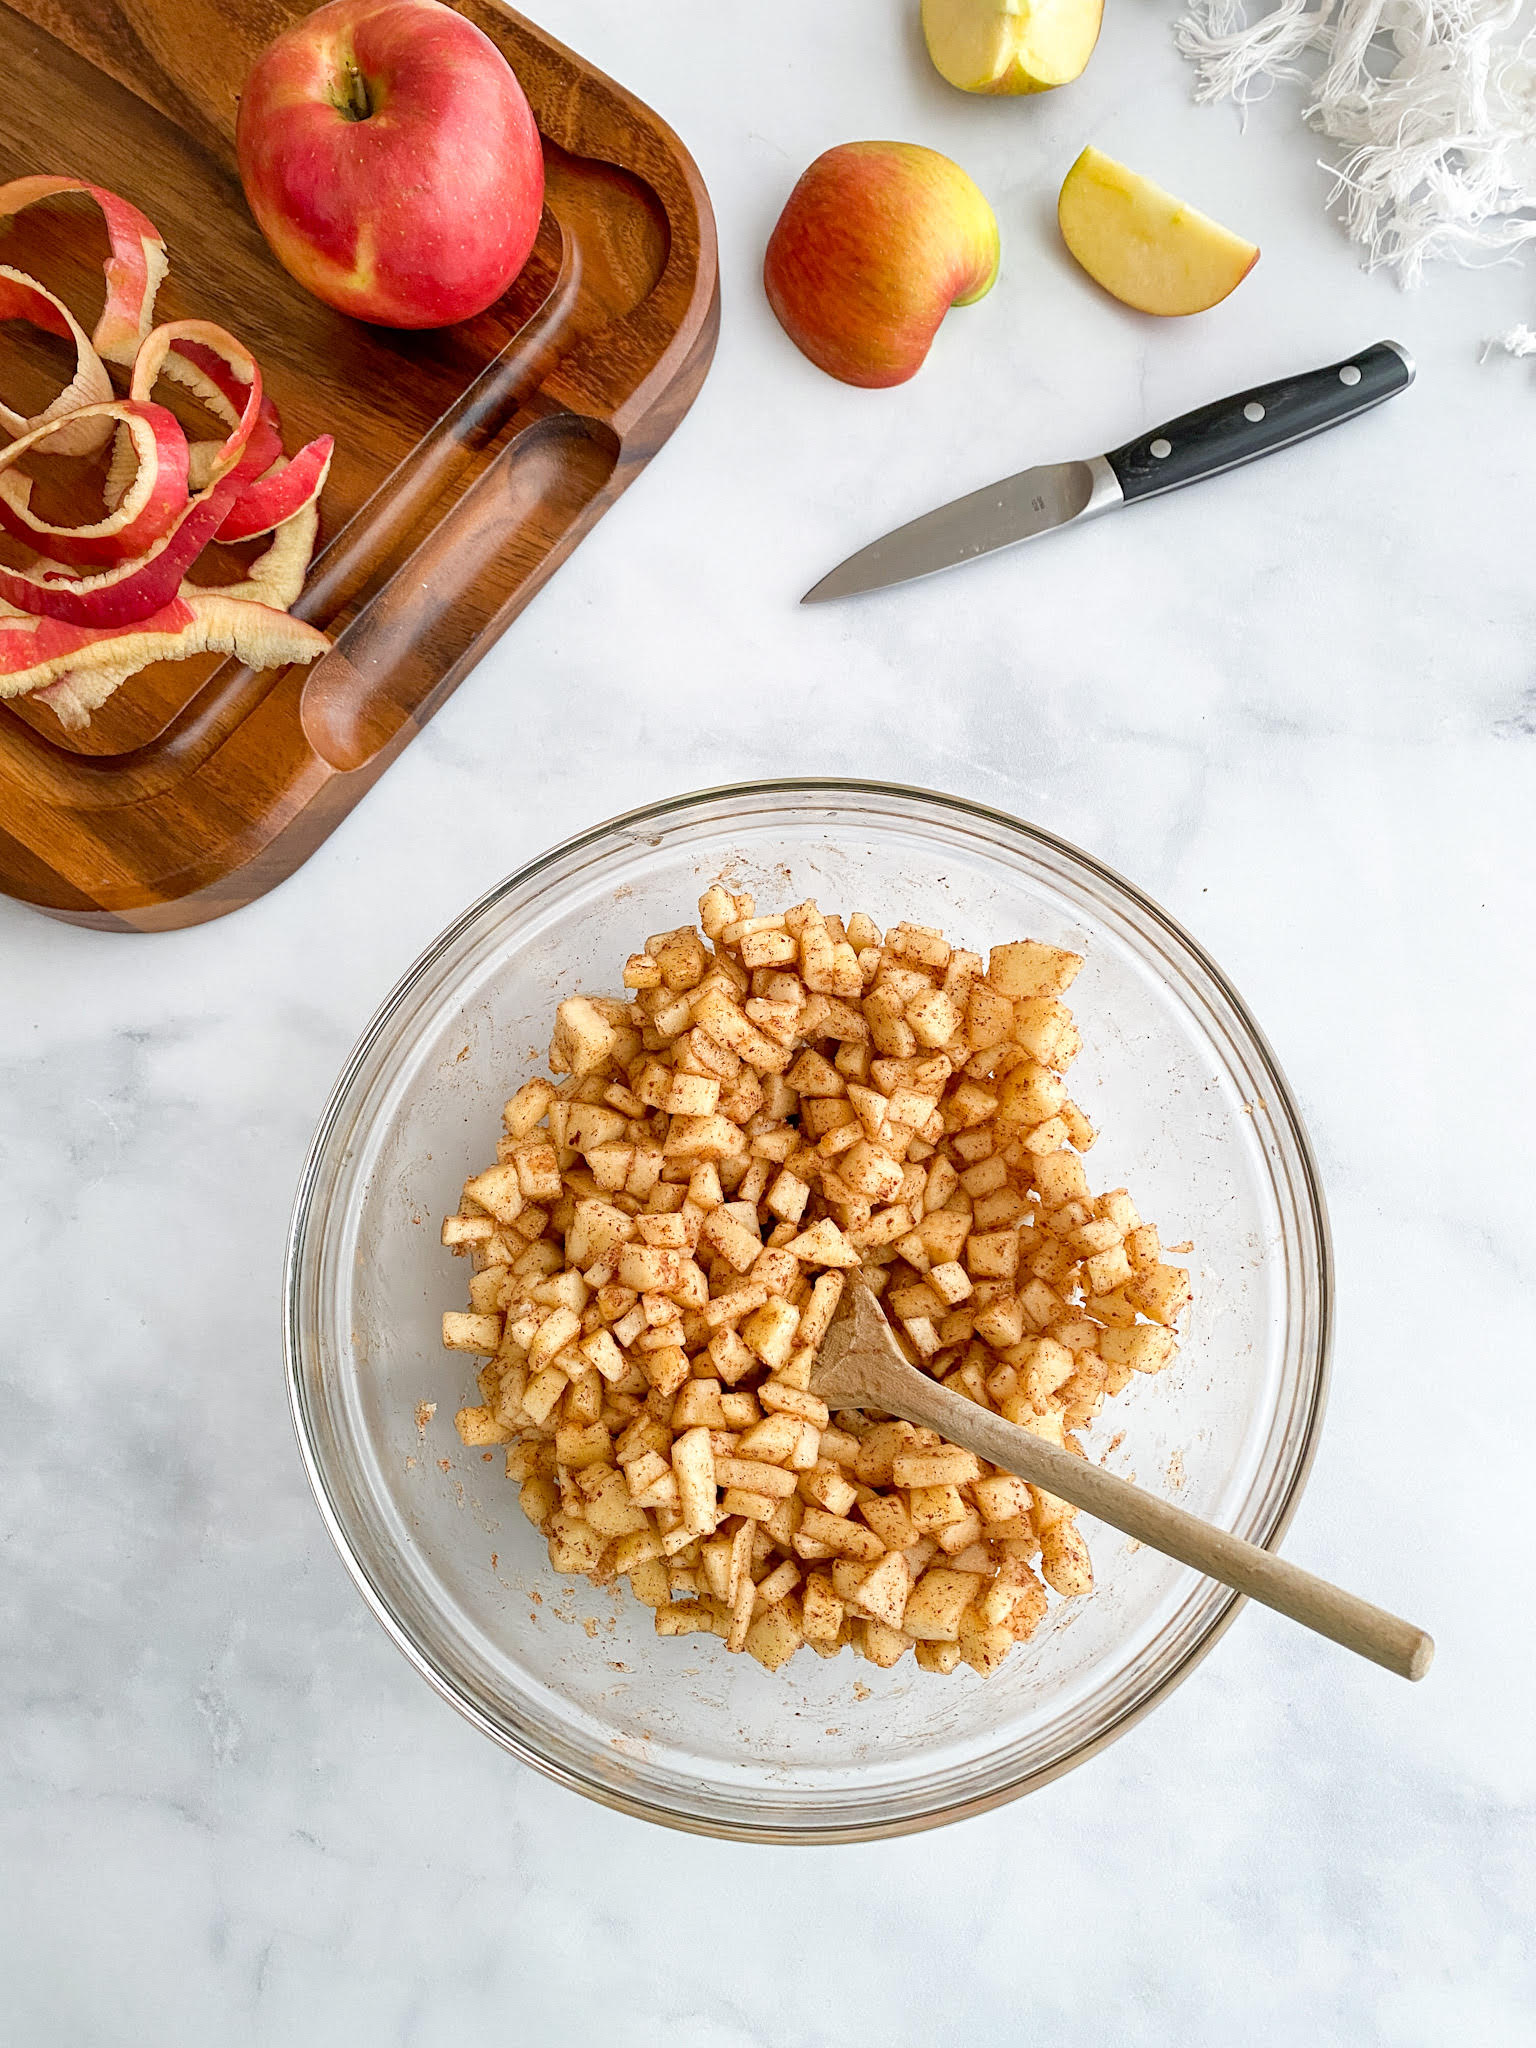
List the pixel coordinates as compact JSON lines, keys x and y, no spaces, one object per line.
{"x":1146,"y":247}
{"x":392,"y":161}
{"x":1011,"y":46}
{"x":875,"y":244}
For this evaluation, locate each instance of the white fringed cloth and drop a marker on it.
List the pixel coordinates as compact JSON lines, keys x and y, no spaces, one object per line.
{"x":1431,"y":103}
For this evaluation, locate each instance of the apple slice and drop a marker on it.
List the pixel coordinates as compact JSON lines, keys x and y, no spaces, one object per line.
{"x":1147,"y":248}
{"x":1011,"y":46}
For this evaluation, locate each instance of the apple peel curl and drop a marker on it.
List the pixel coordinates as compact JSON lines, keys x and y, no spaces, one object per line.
{"x":225,"y":397}
{"x":71,"y":640}
{"x":211,"y":377}
{"x":164,"y":351}
{"x":286,"y":490}
{"x":137,"y":582}
{"x":134,"y":268}
{"x":209,"y":374}
{"x":133,"y":590}
{"x":274,"y":582}
{"x":277,"y":575}
{"x":23,"y":298}
{"x":142,"y":512}
{"x":36,"y":653}
{"x":276,"y":489}
{"x":263,"y":449}
{"x":80,"y":691}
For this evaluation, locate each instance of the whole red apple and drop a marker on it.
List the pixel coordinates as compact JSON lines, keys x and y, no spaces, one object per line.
{"x":875,"y":244}
{"x":392,"y":161}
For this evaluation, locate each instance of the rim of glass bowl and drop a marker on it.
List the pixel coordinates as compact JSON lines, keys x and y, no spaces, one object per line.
{"x":331,"y":1143}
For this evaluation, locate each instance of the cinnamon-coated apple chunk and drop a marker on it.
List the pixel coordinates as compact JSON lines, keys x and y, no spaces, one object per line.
{"x":1011,"y":46}
{"x":1147,"y":248}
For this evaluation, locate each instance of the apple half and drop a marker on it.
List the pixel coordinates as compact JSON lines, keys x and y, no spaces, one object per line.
{"x":1146,"y":248}
{"x":875,"y":244}
{"x":1011,"y":46}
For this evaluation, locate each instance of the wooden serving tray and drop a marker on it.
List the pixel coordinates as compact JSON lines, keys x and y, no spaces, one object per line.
{"x":469,"y":462}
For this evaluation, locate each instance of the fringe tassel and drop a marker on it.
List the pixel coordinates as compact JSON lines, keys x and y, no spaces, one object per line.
{"x":1432,"y":104}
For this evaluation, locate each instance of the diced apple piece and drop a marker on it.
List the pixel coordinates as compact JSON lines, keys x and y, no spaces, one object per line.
{"x":775,"y":1636}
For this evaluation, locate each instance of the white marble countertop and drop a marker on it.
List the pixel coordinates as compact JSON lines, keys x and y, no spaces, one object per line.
{"x":1299,"y":707}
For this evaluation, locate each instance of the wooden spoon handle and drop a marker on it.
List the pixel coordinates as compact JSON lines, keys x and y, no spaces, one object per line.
{"x":1367,"y":1630}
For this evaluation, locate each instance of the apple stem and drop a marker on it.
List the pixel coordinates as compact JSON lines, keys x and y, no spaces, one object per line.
{"x":356,"y":103}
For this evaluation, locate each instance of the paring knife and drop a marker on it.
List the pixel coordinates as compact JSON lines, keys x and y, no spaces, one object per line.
{"x":1200,"y":444}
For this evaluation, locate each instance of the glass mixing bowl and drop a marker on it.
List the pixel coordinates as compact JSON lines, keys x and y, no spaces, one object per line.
{"x":1195,"y":1118}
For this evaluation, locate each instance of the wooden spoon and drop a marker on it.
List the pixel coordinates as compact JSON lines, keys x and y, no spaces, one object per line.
{"x":862,"y":1366}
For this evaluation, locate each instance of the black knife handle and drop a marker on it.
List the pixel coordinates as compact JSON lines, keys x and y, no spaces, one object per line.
{"x":1254,"y":423}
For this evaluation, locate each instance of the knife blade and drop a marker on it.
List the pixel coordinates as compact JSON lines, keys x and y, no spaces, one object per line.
{"x":1198,"y":444}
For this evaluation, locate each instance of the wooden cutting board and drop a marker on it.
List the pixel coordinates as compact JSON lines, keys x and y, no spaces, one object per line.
{"x":469,"y":462}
